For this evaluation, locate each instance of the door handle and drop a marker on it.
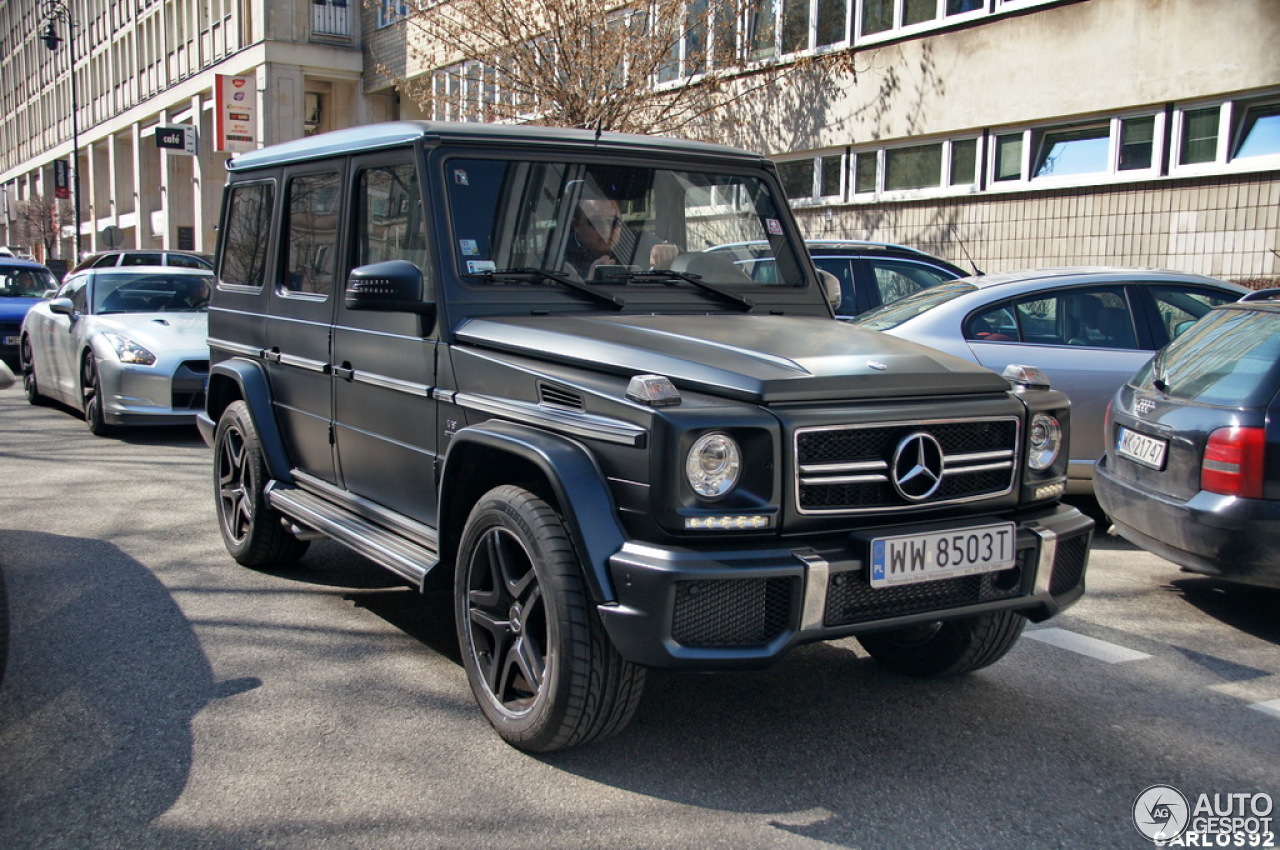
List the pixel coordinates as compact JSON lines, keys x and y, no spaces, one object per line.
{"x":271,"y":355}
{"x":345,"y":372}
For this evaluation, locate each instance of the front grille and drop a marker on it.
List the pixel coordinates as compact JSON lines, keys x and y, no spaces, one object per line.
{"x":187,"y":389}
{"x":850,"y":468}
{"x":850,"y":599}
{"x":730,"y":612}
{"x":1068,"y":564}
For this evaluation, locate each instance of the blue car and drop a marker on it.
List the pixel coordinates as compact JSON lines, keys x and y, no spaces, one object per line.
{"x":23,"y":284}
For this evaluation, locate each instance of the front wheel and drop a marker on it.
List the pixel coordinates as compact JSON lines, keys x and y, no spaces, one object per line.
{"x":30,"y":387}
{"x":949,"y":648}
{"x":536,"y":654}
{"x":253,"y":532}
{"x":91,"y":391}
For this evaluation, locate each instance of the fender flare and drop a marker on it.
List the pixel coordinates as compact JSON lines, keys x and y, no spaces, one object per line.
{"x":255,"y":390}
{"x":575,"y":478}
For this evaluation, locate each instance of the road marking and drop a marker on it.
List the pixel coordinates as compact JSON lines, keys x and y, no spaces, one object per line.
{"x":1109,"y":652}
{"x":1271,"y":707}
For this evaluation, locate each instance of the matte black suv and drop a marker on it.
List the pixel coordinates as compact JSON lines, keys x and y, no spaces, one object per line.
{"x":501,"y":360}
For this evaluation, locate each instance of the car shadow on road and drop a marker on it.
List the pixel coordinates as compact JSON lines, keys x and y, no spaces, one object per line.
{"x":1249,"y":609}
{"x":105,"y":675}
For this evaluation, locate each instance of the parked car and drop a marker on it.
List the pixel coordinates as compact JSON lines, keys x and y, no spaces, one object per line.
{"x":22,"y":284}
{"x":484,"y":384}
{"x":1192,"y":466}
{"x":184,"y":259}
{"x":1088,"y":329}
{"x":124,"y":344}
{"x":870,"y":273}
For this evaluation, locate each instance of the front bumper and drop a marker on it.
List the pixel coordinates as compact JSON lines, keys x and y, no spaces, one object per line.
{"x":141,"y":395}
{"x":1211,"y":534}
{"x":744,"y":607}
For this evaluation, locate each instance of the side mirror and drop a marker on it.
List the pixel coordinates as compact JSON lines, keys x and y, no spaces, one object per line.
{"x":394,"y":286}
{"x":831,"y":285}
{"x":63,"y":307}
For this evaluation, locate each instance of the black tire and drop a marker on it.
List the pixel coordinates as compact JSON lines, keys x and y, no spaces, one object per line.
{"x":91,"y":392}
{"x":536,"y":654}
{"x":949,"y":648}
{"x":253,"y":532}
{"x":29,"y":385}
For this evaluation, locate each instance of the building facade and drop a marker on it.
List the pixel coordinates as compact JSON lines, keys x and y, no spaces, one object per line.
{"x":150,"y":64}
{"x":998,"y":133}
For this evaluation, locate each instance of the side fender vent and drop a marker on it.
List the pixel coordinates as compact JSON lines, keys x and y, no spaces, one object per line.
{"x":560,"y":398}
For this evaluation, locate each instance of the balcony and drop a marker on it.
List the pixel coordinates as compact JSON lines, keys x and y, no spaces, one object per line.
{"x":331,"y":19}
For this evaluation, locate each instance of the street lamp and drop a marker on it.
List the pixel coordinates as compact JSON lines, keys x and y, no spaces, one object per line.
{"x":54,"y":11}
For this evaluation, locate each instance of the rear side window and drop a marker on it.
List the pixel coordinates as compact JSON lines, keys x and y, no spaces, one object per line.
{"x":895,"y":280}
{"x":312,"y":233}
{"x":1180,"y":307}
{"x":244,"y":254}
{"x":1231,"y":358}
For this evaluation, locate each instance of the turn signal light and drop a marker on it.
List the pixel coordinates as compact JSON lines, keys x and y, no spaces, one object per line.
{"x":1232,"y":462}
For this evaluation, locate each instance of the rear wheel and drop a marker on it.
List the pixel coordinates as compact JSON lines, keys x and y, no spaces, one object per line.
{"x":536,"y":654}
{"x":253,"y":532}
{"x":949,"y":648}
{"x":91,"y":390}
{"x":29,"y":385}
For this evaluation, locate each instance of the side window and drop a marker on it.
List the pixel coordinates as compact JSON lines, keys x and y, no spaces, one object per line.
{"x":312,"y":233}
{"x":1179,"y":307}
{"x":840,"y":267}
{"x":389,"y":220}
{"x":1098,"y":318}
{"x":898,"y":280}
{"x":79,"y":294}
{"x":244,"y":253}
{"x":141,"y":260}
{"x":994,"y":324}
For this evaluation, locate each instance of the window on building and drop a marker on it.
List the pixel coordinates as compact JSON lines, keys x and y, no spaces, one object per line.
{"x":1137,"y":142}
{"x":914,"y":167}
{"x":1199,"y":135}
{"x":833,"y":17}
{"x":1008,"y":158}
{"x":830,"y":172}
{"x":797,"y":178}
{"x":964,"y":162}
{"x":864,"y":180}
{"x":1062,"y":152}
{"x":390,"y":11}
{"x":877,"y":16}
{"x":1259,"y":133}
{"x":762,"y":30}
{"x":918,"y":11}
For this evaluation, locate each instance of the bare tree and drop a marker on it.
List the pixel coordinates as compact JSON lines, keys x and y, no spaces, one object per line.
{"x":645,"y":66}
{"x":42,"y":219}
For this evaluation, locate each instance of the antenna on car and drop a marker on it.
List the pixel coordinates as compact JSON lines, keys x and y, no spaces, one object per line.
{"x":955,"y":235}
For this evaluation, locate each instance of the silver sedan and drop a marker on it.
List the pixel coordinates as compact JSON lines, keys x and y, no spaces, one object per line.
{"x":126,"y":345}
{"x":1088,"y":329}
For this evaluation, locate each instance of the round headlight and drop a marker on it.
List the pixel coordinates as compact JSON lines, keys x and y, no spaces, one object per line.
{"x":712,"y":465}
{"x":1046,"y":441}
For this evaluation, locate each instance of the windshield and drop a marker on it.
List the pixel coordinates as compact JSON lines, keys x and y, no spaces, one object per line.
{"x":1228,"y":358}
{"x":25,"y":282}
{"x":891,"y":315}
{"x":611,"y":224}
{"x":150,"y":293}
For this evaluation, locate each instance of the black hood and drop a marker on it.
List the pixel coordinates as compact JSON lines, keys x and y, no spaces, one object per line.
{"x":751,"y":357}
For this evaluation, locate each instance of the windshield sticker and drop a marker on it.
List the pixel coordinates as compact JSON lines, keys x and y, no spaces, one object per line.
{"x":481,"y":266}
{"x":460,"y":177}
{"x":469,"y":247}
{"x":774,"y":226}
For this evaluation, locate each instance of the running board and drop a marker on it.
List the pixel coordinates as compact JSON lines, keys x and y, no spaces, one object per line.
{"x":408,"y":560}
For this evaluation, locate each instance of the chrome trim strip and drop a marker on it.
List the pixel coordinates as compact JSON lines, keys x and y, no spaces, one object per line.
{"x":235,"y":348}
{"x":395,"y":384}
{"x":845,"y":479}
{"x":986,"y":467}
{"x":817,"y":574}
{"x":1048,"y":554}
{"x":859,"y":466}
{"x":422,"y":535}
{"x":582,"y":425}
{"x":304,"y":363}
{"x":974,"y":457}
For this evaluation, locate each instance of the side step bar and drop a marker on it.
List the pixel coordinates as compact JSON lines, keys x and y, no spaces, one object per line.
{"x":408,"y":560}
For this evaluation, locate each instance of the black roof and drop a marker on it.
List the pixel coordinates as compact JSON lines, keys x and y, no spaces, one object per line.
{"x":369,"y":137}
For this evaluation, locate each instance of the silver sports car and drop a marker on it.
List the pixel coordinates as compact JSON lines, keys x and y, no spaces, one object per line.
{"x":127,"y":345}
{"x":1088,"y":329}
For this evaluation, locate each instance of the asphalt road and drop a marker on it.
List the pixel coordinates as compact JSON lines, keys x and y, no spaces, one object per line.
{"x":160,"y":696}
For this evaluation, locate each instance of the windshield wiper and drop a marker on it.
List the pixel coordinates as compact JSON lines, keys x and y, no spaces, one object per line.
{"x":667,"y":276}
{"x":531,"y":274}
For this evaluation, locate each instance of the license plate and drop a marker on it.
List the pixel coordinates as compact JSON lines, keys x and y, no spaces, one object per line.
{"x":1140,"y":448}
{"x":11,"y":340}
{"x":912,"y":558}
